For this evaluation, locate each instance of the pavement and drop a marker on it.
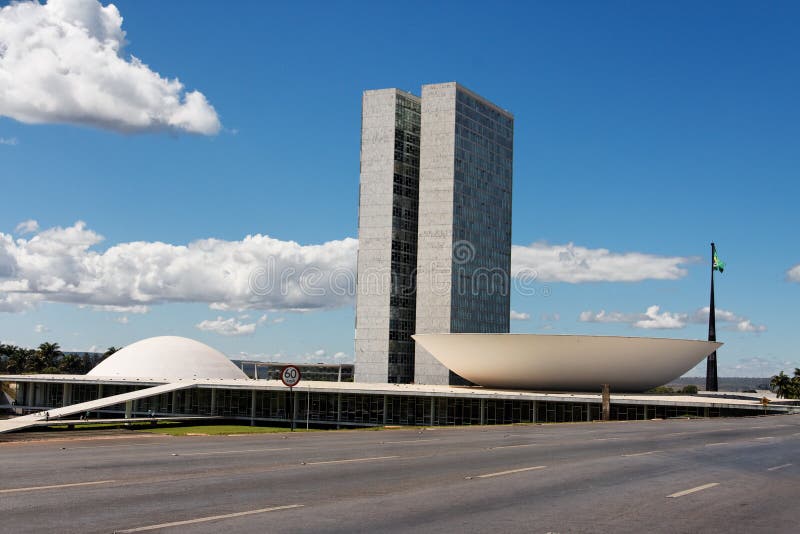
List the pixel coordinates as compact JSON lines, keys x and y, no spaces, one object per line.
{"x":717,"y":475}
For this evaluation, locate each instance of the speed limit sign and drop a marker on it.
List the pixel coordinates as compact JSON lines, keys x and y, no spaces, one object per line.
{"x":290,"y":376}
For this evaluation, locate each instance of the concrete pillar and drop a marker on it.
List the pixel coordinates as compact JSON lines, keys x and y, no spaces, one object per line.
{"x":533,"y":415}
{"x":606,"y":403}
{"x":175,"y":402}
{"x":213,"y":401}
{"x":385,"y":409}
{"x":433,"y":411}
{"x":29,"y":393}
{"x":66,"y":395}
{"x":100,"y":391}
{"x":646,"y":409}
{"x":588,"y":413}
{"x":483,"y":411}
{"x":252,"y":408}
{"x":338,"y":410}
{"x":128,"y":409}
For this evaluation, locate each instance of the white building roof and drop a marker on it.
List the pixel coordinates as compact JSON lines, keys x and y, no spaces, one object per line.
{"x":170,"y":357}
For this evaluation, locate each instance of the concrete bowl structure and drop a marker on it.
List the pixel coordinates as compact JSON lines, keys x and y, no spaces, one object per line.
{"x":169,"y":357}
{"x":565,"y":362}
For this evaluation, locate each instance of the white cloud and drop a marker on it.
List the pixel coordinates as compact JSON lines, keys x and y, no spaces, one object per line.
{"x":278,"y":320}
{"x":40,"y":329}
{"x":653,"y":318}
{"x":8,"y":141}
{"x":574,"y":264}
{"x":756,"y":366}
{"x":550,"y":317}
{"x":123,"y":319}
{"x":519,"y":316}
{"x":258,"y":272}
{"x":735,"y":322}
{"x":793,"y":274}
{"x":227,"y":327}
{"x":65,"y":62}
{"x":341,"y":356}
{"x":26,"y":227}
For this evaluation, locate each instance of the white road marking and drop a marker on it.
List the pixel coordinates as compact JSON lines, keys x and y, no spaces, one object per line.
{"x":715,"y":444}
{"x":605,"y":439}
{"x":352,"y":460}
{"x":74,"y":484}
{"x":406,"y":442}
{"x":693,"y":490}
{"x":679,"y":433}
{"x":766,"y":437}
{"x":778,"y":467}
{"x":211,"y":453}
{"x":510,"y":472}
{"x":513,"y":446}
{"x":641,"y":453}
{"x":210,"y":518}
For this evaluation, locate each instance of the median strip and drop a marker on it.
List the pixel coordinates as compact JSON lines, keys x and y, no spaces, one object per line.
{"x":693,"y":490}
{"x":210,"y":518}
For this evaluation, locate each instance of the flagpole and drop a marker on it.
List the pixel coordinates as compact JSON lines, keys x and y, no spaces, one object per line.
{"x":711,"y":362}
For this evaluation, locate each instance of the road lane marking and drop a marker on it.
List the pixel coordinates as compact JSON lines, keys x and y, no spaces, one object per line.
{"x":715,"y":444}
{"x":352,"y":460}
{"x":406,"y":442}
{"x":679,"y":433}
{"x":57,"y":486}
{"x":778,"y":467}
{"x":693,"y":490}
{"x":640,"y":453}
{"x":206,"y":519}
{"x":509,"y":472}
{"x":605,"y":439}
{"x":210,"y":453}
{"x":513,"y":446}
{"x":766,"y":437}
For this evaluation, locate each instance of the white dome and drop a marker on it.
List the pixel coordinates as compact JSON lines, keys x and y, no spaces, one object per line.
{"x":170,"y":357}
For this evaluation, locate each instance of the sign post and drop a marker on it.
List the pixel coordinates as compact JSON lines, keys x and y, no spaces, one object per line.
{"x":290,"y":376}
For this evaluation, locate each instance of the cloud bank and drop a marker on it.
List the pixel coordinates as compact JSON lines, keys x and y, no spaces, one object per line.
{"x":62,"y":264}
{"x":65,"y":62}
{"x":257,"y":272}
{"x":574,"y":264}
{"x":654,"y":319}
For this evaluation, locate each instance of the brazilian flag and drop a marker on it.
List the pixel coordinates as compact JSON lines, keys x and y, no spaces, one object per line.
{"x":718,"y":265}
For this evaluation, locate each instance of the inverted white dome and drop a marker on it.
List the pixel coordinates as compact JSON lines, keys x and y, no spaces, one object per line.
{"x":167,"y":357}
{"x":565,"y":362}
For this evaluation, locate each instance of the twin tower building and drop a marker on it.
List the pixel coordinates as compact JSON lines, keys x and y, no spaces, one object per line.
{"x":434,"y":227}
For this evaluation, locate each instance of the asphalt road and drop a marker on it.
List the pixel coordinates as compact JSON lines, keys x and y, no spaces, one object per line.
{"x":721,"y":475}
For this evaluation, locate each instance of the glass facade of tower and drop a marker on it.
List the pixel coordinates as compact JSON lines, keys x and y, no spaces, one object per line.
{"x":481,"y":217}
{"x":405,"y":202}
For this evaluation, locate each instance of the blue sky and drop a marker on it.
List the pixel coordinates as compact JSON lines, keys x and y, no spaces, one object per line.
{"x":643,"y":129}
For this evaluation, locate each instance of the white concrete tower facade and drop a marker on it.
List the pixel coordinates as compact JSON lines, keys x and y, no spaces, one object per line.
{"x":387,"y":235}
{"x":464,"y":226}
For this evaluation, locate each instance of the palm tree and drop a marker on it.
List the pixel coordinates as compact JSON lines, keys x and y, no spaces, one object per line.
{"x":781,"y":384}
{"x":47,"y":356}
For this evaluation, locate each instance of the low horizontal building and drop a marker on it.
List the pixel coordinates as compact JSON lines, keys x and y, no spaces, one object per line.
{"x":179,"y":377}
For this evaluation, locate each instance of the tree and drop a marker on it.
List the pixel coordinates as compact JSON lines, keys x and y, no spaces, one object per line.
{"x":47,"y":356}
{"x":691,"y":389}
{"x":781,"y":384}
